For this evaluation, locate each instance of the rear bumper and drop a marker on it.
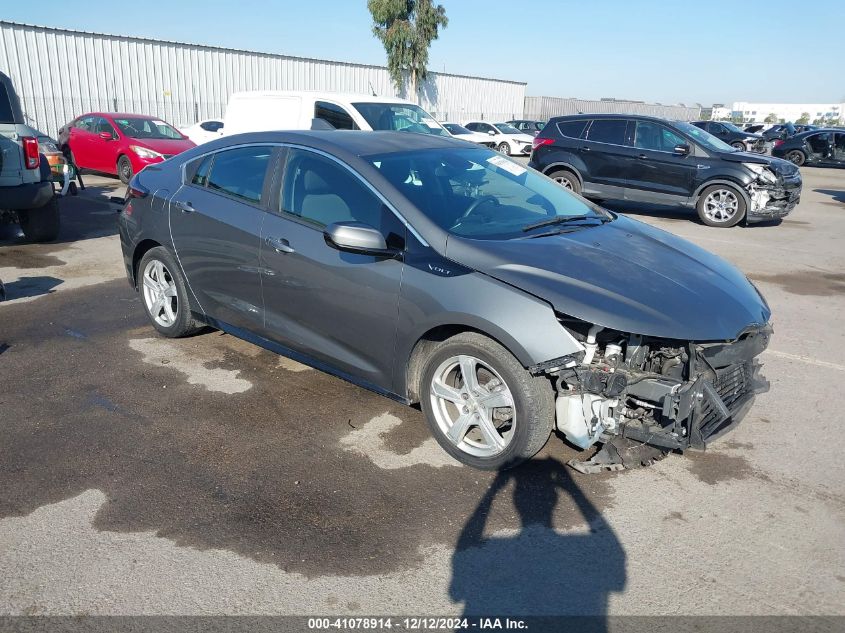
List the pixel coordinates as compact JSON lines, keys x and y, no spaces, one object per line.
{"x":29,"y":196}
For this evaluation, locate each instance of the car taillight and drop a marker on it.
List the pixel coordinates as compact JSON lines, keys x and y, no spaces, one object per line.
{"x":539,"y":141}
{"x":30,"y":152}
{"x":778,"y":142}
{"x":135,"y":189}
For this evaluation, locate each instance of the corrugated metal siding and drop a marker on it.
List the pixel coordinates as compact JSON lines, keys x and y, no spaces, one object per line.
{"x":543,"y":108}
{"x":60,"y":74}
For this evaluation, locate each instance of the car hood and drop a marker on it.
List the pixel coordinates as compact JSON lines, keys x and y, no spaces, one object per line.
{"x":777,"y":165}
{"x":164,"y":146}
{"x":627,"y":276}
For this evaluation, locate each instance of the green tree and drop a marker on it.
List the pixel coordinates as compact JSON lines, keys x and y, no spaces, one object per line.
{"x":772,"y":118}
{"x":407,"y":28}
{"x":805,"y":118}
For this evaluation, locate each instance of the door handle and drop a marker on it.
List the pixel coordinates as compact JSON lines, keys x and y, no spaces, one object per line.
{"x":585,"y":148}
{"x":280,"y":245}
{"x":184,"y":207}
{"x":642,"y":156}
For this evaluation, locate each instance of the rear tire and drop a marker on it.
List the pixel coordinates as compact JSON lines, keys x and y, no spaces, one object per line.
{"x":164,"y":293}
{"x":796,"y":157}
{"x":720,"y":206}
{"x":41,"y":225}
{"x":124,"y":169}
{"x":499,"y":379}
{"x":566,"y":179}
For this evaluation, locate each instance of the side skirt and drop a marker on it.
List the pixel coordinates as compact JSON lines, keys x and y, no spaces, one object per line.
{"x":299,"y":357}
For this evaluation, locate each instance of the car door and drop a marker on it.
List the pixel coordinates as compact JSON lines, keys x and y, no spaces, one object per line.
{"x":336,"y":307}
{"x":105,"y":156}
{"x":486,"y":128}
{"x":606,"y":157}
{"x":819,"y":147}
{"x":659,"y":173}
{"x":215,"y":224}
{"x":839,"y":148}
{"x":81,"y":140}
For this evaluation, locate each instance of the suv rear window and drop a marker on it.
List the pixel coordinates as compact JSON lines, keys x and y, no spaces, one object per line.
{"x":572,"y":129}
{"x":608,"y":131}
{"x":6,"y":114}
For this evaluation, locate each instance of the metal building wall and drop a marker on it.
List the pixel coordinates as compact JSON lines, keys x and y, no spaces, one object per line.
{"x":542,"y":108}
{"x":60,"y":74}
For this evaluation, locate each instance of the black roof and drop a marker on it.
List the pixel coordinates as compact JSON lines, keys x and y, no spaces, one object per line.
{"x":355,"y":142}
{"x":607,"y":115}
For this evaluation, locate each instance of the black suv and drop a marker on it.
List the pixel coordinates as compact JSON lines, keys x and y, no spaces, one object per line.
{"x":744,"y":141}
{"x":646,"y":159}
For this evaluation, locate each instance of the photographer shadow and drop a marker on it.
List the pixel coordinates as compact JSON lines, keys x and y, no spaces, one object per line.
{"x":539,"y":571}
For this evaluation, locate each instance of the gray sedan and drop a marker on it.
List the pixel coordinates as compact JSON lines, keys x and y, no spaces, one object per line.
{"x":431,"y":270}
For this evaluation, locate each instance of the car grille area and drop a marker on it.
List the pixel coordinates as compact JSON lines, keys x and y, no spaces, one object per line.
{"x":723,"y":406}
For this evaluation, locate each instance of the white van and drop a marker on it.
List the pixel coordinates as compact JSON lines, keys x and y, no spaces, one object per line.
{"x":261,"y":110}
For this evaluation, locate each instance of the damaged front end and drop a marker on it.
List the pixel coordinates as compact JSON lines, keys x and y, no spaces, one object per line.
{"x":774,"y":192}
{"x":642,"y":397}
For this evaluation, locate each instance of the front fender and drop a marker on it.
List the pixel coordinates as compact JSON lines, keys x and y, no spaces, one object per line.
{"x":440,"y":293}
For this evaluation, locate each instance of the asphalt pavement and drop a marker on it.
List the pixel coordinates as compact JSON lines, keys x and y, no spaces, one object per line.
{"x":141,"y":475}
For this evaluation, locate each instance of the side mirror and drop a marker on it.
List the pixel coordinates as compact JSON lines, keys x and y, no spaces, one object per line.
{"x":357,"y":237}
{"x":681,"y":150}
{"x":491,"y":132}
{"x":106,"y":136}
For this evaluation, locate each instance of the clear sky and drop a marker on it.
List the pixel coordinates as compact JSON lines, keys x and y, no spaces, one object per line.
{"x":668,"y":51}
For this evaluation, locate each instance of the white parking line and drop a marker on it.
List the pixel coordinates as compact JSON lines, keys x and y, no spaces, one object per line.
{"x":806,"y":359}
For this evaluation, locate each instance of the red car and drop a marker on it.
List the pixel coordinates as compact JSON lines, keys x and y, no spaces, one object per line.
{"x":121,"y":144}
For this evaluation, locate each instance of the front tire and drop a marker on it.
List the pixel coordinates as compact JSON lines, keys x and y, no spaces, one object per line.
{"x":567,"y":180}
{"x":124,"y":169}
{"x":482,"y":406}
{"x":504,"y":148}
{"x":41,"y":225}
{"x":740,"y":146}
{"x":165,"y":294}
{"x":720,"y":206}
{"x":796,"y":157}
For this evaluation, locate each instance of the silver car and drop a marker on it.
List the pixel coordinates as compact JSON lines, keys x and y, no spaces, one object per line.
{"x":432,"y":270}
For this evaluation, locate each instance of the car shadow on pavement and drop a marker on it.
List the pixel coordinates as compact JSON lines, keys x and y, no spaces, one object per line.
{"x":667,"y":212}
{"x":85,"y":216}
{"x":31,"y":287}
{"x":837,"y":195}
{"x":539,"y":571}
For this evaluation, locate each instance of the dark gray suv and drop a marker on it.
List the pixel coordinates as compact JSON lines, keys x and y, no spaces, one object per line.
{"x":651,"y":160}
{"x":431,"y":270}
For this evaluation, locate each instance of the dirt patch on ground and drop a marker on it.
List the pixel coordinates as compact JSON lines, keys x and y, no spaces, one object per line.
{"x":29,"y":257}
{"x":807,"y":282}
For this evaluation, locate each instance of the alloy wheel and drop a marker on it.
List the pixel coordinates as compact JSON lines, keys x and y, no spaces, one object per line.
{"x":721,"y":205}
{"x":473,"y":406}
{"x":564,"y":181}
{"x":160,"y":296}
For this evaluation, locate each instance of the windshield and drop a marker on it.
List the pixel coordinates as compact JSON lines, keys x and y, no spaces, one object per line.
{"x":704,"y":138}
{"x":504,"y":128}
{"x":137,"y":127}
{"x":480,"y":194}
{"x":400,"y":117}
{"x":454,"y":128}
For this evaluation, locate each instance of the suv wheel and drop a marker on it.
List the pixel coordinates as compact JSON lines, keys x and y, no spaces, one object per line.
{"x":739,"y":145}
{"x":504,"y":148}
{"x":41,"y":225}
{"x":124,"y":169}
{"x":165,"y":294}
{"x":483,"y":407}
{"x":720,"y":205}
{"x":566,"y":179}
{"x":796,"y":157}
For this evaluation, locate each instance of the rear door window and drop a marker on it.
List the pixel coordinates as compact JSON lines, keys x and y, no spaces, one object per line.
{"x":240,"y":172}
{"x":200,"y":172}
{"x":608,"y":131}
{"x":571,"y":129}
{"x":6,"y":114}
{"x":334,"y":114}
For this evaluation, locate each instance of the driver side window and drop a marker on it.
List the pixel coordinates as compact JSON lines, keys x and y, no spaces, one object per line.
{"x":320,"y":191}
